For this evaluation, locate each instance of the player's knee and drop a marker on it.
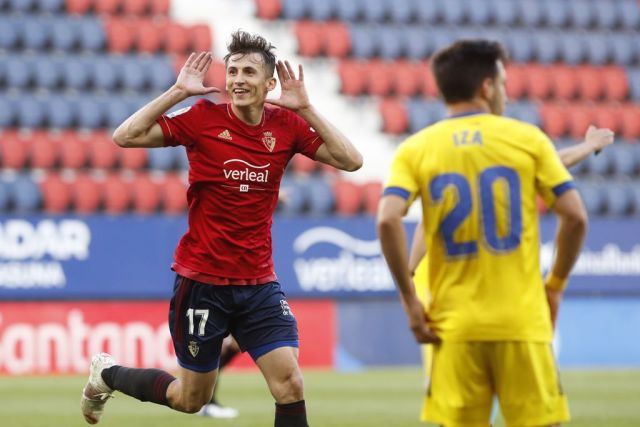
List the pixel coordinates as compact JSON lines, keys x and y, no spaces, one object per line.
{"x":291,"y":388}
{"x":191,"y":402}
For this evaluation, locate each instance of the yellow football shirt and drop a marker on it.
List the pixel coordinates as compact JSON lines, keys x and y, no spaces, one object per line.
{"x":477,"y":176}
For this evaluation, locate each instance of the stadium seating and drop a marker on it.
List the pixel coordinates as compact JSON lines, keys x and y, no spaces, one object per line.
{"x":88,"y":64}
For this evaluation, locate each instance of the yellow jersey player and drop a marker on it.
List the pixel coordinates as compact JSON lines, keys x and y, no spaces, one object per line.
{"x":478,"y":175}
{"x":595,"y":140}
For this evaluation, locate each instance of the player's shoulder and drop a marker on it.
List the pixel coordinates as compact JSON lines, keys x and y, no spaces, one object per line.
{"x":275,"y":113}
{"x":516,"y":126}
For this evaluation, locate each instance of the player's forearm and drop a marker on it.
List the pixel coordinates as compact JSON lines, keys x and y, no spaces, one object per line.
{"x":139,"y":123}
{"x":569,"y":240}
{"x":573,"y":155}
{"x":346,"y":156}
{"x":418,"y":248}
{"x":393,"y":242}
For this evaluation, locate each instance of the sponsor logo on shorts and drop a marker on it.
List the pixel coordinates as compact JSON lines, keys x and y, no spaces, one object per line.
{"x":286,"y":310}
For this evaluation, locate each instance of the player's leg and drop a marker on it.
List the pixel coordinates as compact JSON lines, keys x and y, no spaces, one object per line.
{"x":198,"y":323}
{"x":282,"y":373}
{"x":267,"y":329}
{"x":528,"y":385}
{"x":213,"y":408}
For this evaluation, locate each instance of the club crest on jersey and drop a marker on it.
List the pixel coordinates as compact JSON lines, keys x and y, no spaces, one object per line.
{"x":193,"y":348}
{"x":269,"y":140}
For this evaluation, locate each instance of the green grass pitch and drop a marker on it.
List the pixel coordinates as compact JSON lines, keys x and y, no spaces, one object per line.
{"x":385,"y":397}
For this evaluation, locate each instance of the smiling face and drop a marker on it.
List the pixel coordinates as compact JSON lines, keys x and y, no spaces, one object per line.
{"x":247,"y":81}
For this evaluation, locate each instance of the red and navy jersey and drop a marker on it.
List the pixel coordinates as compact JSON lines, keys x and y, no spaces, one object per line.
{"x":234,"y":178}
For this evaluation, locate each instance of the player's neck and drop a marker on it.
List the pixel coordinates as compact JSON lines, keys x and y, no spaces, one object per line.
{"x":472,"y":106}
{"x":250,"y":114}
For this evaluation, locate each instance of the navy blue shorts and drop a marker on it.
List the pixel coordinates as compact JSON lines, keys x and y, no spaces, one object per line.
{"x":201,"y":315}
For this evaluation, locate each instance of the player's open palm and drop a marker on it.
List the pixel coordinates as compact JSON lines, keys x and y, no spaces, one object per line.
{"x":192,"y":75}
{"x":293,"y":94}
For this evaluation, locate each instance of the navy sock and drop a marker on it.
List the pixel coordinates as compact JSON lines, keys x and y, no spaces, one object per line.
{"x":291,"y":415}
{"x":147,"y":385}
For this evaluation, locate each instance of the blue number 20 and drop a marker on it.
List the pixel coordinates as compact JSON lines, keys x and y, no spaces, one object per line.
{"x":463,"y":207}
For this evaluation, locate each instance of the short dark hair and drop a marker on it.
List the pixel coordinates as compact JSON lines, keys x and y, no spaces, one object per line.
{"x":460,"y":68}
{"x":244,"y":43}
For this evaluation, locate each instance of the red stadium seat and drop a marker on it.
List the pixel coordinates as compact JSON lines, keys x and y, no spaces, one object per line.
{"x":616,"y":84}
{"x":160,"y":7}
{"x":176,"y":38}
{"x":56,"y":194}
{"x":86,"y":193}
{"x":121,"y":35}
{"x":516,"y":81}
{"x":117,"y":194}
{"x":78,"y":7}
{"x":103,"y":152}
{"x":44,"y":150}
{"x":201,"y":39}
{"x":74,"y":151}
{"x":631,"y":121}
{"x":14,"y":149}
{"x":554,"y":119}
{"x":309,"y":35}
{"x":371,"y":192}
{"x":337,"y":40}
{"x":145,"y":194}
{"x":609,"y":116}
{"x":538,"y":79}
{"x":174,"y":195}
{"x":395,"y":119}
{"x":580,"y":117}
{"x":108,"y":7}
{"x":136,"y":7}
{"x":352,"y":76}
{"x":379,"y":78}
{"x":303,"y":165}
{"x":563,"y":81}
{"x":149,"y":35}
{"x":428,"y":84}
{"x":268,"y":9}
{"x":132,"y":158}
{"x":590,"y":82}
{"x":405,"y":76}
{"x":348,"y":197}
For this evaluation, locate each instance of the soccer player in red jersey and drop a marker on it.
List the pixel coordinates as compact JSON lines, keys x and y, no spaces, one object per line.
{"x":225,"y":279}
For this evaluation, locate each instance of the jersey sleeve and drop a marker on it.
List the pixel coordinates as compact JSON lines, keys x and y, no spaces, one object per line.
{"x":182,"y":126}
{"x":552,"y":177}
{"x":307,"y":140}
{"x":402,"y":177}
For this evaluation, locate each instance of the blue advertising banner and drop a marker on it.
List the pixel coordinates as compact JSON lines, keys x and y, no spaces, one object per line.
{"x":103,"y":257}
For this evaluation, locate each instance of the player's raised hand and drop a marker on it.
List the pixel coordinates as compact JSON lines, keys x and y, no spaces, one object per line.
{"x":419,"y":322}
{"x":293,"y":94}
{"x":599,"y":137}
{"x":192,"y":75}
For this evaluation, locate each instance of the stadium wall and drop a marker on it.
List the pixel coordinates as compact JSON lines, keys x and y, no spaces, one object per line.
{"x":70,"y":286}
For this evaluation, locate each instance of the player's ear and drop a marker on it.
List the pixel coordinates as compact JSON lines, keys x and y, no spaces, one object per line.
{"x":271,"y":83}
{"x":487,"y":88}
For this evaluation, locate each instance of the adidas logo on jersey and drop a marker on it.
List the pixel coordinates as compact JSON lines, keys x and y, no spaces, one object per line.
{"x":225,"y":134}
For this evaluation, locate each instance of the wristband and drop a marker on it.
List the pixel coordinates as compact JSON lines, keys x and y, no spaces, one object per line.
{"x":555,"y":283}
